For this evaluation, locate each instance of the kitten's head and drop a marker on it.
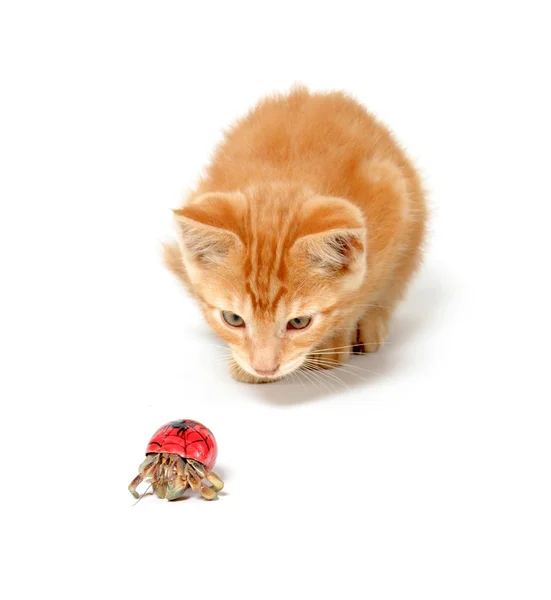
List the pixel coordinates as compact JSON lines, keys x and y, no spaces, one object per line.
{"x":273,"y":268}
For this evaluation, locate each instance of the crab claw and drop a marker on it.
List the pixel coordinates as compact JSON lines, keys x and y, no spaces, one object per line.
{"x":176,"y":489}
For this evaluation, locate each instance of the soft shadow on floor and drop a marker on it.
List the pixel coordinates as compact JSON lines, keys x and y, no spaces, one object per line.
{"x":414,"y":317}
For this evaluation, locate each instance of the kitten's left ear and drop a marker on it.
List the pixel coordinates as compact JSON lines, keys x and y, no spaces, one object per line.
{"x":335,"y":251}
{"x":333,"y":237}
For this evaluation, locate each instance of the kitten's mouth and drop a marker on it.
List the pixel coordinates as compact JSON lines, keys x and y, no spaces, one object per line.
{"x":279,"y":372}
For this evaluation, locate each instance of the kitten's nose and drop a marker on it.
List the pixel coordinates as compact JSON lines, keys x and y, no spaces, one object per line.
{"x":266,"y":372}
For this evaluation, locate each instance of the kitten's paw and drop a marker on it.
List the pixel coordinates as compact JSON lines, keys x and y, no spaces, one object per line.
{"x":372,"y":331}
{"x":331,"y":353}
{"x":242,"y":376}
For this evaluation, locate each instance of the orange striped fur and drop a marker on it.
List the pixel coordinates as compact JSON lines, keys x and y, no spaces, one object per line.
{"x":309,"y":208}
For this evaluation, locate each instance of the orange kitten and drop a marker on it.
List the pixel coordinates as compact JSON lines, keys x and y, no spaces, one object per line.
{"x":302,"y":236}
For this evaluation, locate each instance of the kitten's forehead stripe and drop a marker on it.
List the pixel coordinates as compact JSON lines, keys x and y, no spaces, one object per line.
{"x":282,"y":291}
{"x":252,"y":296}
{"x":265,"y":266}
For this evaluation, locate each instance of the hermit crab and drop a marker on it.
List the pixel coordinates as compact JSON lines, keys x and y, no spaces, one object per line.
{"x":180,"y":454}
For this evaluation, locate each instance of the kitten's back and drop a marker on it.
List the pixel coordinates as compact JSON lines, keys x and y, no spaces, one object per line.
{"x":319,"y":140}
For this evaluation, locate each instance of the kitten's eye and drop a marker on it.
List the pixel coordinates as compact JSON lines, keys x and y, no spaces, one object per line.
{"x":299,"y":323}
{"x":233,"y":319}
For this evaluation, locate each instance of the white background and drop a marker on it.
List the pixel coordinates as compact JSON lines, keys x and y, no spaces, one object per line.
{"x":428,"y":475}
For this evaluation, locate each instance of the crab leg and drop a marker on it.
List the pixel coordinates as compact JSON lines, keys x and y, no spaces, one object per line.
{"x":134,"y":484}
{"x":176,"y":489}
{"x":148,"y":462}
{"x":171,"y":476}
{"x":197,"y":467}
{"x":210,"y":492}
{"x":193,"y":480}
{"x":217,"y":483}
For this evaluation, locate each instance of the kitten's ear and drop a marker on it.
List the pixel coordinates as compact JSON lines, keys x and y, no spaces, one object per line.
{"x":335,"y":251}
{"x":334,"y":236}
{"x":209,"y":226}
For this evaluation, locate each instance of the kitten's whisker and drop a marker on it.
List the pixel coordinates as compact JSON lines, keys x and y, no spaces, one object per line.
{"x":332,"y":353}
{"x":330,"y":375}
{"x":337,"y":366}
{"x":294,"y":377}
{"x":329,"y":360}
{"x":321,"y":374}
{"x":220,"y":348}
{"x":315,"y":375}
{"x":299,"y":378}
{"x":335,"y":348}
{"x":311,"y":380}
{"x":290,"y":376}
{"x":336,"y":363}
{"x":330,"y":350}
{"x":325,"y":381}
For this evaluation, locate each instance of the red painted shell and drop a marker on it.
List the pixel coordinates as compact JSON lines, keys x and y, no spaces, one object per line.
{"x":186,"y":438}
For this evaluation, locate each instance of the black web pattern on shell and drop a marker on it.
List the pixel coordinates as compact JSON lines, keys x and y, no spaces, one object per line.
{"x":187,"y":430}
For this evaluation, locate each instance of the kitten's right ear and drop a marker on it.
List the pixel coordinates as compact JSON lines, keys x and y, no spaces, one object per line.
{"x":209,"y":227}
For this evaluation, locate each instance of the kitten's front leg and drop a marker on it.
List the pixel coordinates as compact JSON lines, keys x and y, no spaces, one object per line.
{"x":332,"y":352}
{"x":372,"y":330}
